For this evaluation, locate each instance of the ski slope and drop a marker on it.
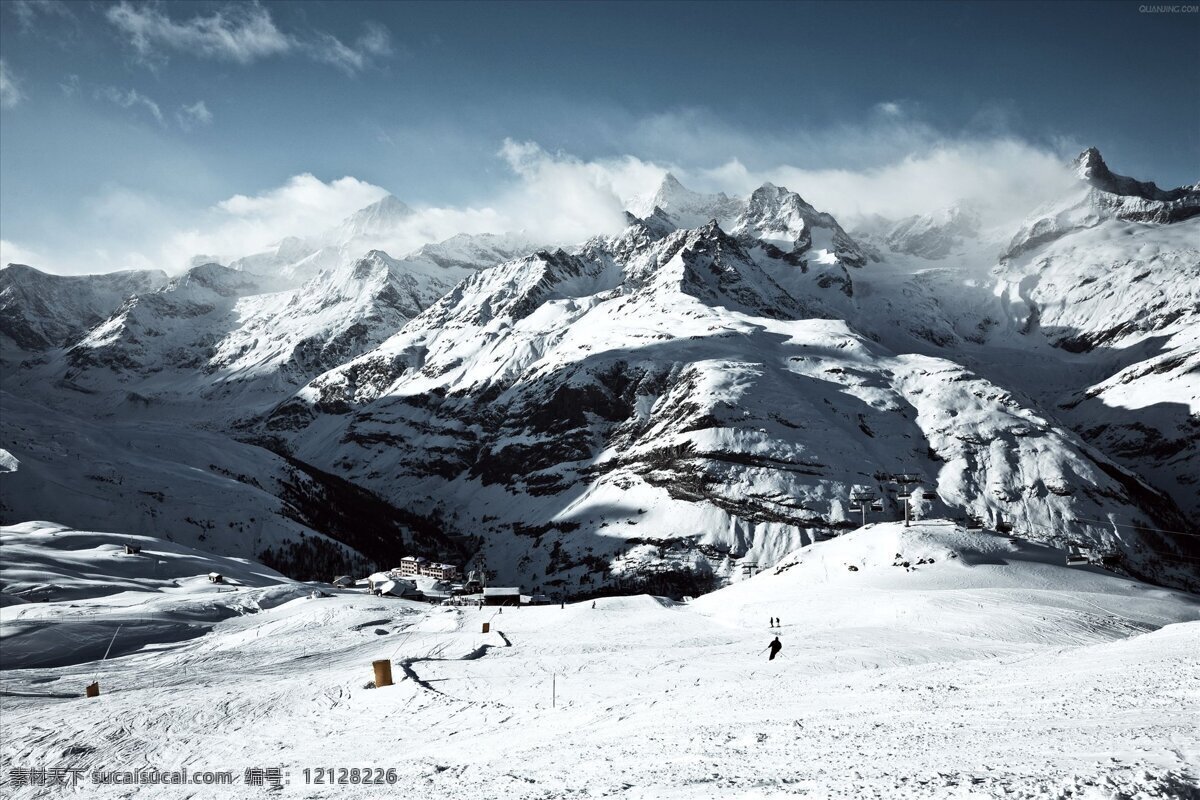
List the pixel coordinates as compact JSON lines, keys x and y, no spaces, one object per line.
{"x":989,"y":670}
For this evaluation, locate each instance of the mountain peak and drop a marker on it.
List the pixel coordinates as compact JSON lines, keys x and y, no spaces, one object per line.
{"x":684,"y":207}
{"x":389,"y":204}
{"x":671,"y":183}
{"x":1089,"y":165}
{"x":377,"y":219}
{"x":673,"y":193}
{"x":774,"y":196}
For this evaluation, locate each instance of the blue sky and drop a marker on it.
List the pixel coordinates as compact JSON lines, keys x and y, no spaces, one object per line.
{"x":126,"y":128}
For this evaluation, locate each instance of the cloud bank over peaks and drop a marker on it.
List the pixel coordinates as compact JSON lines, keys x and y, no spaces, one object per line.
{"x":559,"y":199}
{"x":1002,"y":179}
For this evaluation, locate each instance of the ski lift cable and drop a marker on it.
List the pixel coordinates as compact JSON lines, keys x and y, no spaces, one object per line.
{"x":1136,"y":527}
{"x":1103,"y":522}
{"x":1164,"y":555}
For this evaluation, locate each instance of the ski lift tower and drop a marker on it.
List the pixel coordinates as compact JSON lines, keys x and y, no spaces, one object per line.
{"x":906,"y":480}
{"x":861,"y":500}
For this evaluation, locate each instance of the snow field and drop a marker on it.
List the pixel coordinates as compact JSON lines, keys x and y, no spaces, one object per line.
{"x":992,"y":672}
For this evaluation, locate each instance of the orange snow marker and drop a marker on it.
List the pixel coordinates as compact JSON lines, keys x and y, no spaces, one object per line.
{"x":383,"y":672}
{"x":487,"y":627}
{"x":93,"y":689}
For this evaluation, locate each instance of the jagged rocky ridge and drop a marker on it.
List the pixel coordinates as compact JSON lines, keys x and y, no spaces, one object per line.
{"x":1102,"y":196}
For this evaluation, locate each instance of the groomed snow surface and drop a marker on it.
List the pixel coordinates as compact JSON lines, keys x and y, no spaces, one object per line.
{"x":984,"y":668}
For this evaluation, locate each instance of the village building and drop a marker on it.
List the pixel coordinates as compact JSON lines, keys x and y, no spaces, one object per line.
{"x":410,"y":566}
{"x":502,"y":596}
{"x":417,"y":566}
{"x":443,"y":572}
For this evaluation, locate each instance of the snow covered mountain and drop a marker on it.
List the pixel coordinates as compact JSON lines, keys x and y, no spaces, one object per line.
{"x":376,"y":220}
{"x":1094,"y":322}
{"x":933,"y":236}
{"x":683,"y":207}
{"x":40,"y":311}
{"x":707,"y":389}
{"x":1103,"y":196}
{"x":231,"y":337}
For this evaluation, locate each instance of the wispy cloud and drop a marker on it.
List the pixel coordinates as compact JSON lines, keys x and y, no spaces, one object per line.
{"x":241,"y":33}
{"x":13,"y":253}
{"x":28,"y":12}
{"x":131,"y":98}
{"x":10,"y":87}
{"x":195,"y":115}
{"x":70,"y":85}
{"x":374,"y":43}
{"x":245,"y":224}
{"x":238,"y":33}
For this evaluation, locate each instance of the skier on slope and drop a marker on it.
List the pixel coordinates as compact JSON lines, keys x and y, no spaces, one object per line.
{"x":774,"y":647}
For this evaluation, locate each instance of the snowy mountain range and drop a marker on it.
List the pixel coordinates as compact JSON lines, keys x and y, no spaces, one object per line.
{"x":703,"y":391}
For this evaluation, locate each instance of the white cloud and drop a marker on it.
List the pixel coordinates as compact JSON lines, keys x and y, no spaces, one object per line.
{"x":195,"y":115}
{"x":242,"y":33}
{"x":566,"y":199}
{"x":13,"y":253}
{"x":70,"y":86}
{"x":130,"y":98}
{"x":10,"y":87}
{"x":1003,"y":178}
{"x":239,"y":33}
{"x":245,"y":224}
{"x":893,"y":166}
{"x":552,"y":199}
{"x":375,"y":42}
{"x":28,"y":11}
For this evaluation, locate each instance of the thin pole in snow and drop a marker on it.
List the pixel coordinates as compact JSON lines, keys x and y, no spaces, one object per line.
{"x":554,"y":690}
{"x":108,"y":649}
